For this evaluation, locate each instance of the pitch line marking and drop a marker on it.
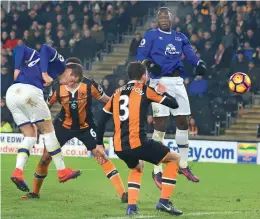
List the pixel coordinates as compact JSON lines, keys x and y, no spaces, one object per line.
{"x":188,"y":214}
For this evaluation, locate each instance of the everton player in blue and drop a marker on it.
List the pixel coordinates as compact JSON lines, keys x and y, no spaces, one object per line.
{"x":34,"y":71}
{"x":161,"y":50}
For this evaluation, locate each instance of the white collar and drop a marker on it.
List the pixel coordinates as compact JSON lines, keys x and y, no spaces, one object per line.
{"x":73,"y":92}
{"x":166,"y":32}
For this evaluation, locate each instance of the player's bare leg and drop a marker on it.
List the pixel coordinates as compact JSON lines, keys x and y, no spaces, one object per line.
{"x":23,"y":154}
{"x":53,"y":147}
{"x":113,"y":175}
{"x":182,"y":140}
{"x":160,"y":124}
{"x":39,"y":176}
{"x":134,"y":185}
{"x":169,"y":179}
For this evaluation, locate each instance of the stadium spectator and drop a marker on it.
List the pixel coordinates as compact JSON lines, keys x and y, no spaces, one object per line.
{"x":199,"y":86}
{"x":63,"y":49}
{"x":121,"y":82}
{"x":5,"y":112}
{"x":134,"y":46}
{"x":97,"y":33}
{"x":108,"y":89}
{"x":4,"y":37}
{"x":27,"y":38}
{"x":252,"y":38}
{"x":208,"y":54}
{"x":239,"y":64}
{"x":222,"y":57}
{"x":87,"y":42}
{"x":12,"y":42}
{"x":6,"y":76}
{"x":254,"y":74}
{"x":193,"y":129}
{"x":5,"y":126}
{"x":228,"y":39}
{"x":240,"y":37}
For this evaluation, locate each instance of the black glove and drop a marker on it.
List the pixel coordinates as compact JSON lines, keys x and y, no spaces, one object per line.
{"x":154,"y":68}
{"x":201,"y":68}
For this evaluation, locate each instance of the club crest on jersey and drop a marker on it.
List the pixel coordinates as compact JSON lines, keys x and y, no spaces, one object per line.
{"x":171,"y":50}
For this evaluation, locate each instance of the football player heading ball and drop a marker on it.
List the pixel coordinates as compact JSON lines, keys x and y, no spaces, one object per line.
{"x":161,"y":50}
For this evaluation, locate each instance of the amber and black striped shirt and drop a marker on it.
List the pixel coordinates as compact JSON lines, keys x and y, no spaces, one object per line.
{"x":129,"y":107}
{"x":76,"y":111}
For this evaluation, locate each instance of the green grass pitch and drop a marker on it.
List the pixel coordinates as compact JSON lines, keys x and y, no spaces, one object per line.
{"x":226,"y":191}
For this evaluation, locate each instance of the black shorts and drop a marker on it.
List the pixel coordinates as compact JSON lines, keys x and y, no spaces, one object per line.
{"x":87,"y":136}
{"x":151,"y":151}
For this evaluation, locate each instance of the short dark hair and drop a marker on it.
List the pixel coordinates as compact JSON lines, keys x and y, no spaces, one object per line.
{"x":75,"y":65}
{"x":135,"y":70}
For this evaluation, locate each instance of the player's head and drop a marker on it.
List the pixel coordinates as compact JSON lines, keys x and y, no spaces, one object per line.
{"x":137,"y":71}
{"x":74,"y":70}
{"x":164,"y":19}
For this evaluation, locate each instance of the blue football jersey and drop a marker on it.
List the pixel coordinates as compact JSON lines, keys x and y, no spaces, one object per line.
{"x":166,"y":49}
{"x":31,"y":64}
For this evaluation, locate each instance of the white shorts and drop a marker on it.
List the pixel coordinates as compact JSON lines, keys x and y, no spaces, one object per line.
{"x":27,"y":105}
{"x":175,"y":87}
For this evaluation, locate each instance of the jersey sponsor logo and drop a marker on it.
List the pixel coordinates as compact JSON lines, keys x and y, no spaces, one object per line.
{"x":177,"y":38}
{"x":171,"y":50}
{"x":142,"y":43}
{"x":73,"y":105}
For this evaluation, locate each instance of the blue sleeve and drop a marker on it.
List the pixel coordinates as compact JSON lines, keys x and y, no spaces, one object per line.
{"x":188,"y":51}
{"x":22,"y":53}
{"x":47,"y":54}
{"x":145,"y":47}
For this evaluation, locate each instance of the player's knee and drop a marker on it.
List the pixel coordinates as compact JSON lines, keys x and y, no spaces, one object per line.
{"x":28,"y":142}
{"x":182,"y":122}
{"x":160,"y":123}
{"x":51,"y":141}
{"x":173,"y":156}
{"x":45,"y":127}
{"x":28,"y":130}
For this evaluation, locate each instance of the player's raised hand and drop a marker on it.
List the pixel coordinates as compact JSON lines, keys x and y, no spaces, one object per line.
{"x":47,"y":79}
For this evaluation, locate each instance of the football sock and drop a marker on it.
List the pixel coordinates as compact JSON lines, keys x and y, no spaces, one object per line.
{"x":158,"y":136}
{"x":169,"y":178}
{"x":24,"y":151}
{"x":39,"y":175}
{"x":134,"y":184}
{"x":114,"y":177}
{"x":53,"y":147}
{"x":182,"y":140}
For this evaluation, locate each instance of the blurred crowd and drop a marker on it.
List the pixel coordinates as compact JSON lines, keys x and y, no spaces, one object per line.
{"x":224,"y":34}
